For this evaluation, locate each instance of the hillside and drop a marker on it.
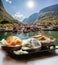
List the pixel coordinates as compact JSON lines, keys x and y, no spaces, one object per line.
{"x":49,"y":15}
{"x":4,"y":16}
{"x":49,"y":8}
{"x":31,"y":18}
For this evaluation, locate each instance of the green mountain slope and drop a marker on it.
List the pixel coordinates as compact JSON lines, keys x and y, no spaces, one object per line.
{"x":49,"y":15}
{"x":5,"y":17}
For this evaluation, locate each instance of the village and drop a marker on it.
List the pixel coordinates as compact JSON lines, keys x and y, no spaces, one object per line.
{"x":27,"y":28}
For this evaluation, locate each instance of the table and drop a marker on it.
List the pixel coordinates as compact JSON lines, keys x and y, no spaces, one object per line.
{"x":49,"y":59}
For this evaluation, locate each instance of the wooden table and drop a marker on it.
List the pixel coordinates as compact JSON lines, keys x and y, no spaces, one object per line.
{"x":49,"y":59}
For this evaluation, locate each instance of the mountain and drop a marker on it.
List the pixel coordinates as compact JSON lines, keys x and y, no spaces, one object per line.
{"x":50,"y":8}
{"x":25,"y":20}
{"x":48,"y":15}
{"x":4,"y":16}
{"x":31,"y":18}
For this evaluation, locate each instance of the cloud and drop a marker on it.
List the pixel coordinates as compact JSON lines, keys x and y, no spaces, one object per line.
{"x":9,"y":1}
{"x":18,"y":16}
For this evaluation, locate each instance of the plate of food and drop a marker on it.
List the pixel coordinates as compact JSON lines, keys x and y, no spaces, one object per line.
{"x":11,"y":43}
{"x":19,"y":48}
{"x":45,"y":39}
{"x":31,"y":45}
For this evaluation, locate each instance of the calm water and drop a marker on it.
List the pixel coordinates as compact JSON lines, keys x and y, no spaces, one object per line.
{"x":29,"y":35}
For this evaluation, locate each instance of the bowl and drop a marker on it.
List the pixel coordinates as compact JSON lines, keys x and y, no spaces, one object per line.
{"x":12,"y":48}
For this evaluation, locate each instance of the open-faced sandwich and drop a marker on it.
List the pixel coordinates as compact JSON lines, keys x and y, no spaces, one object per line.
{"x":45,"y":39}
{"x":31,"y":44}
{"x":11,"y":43}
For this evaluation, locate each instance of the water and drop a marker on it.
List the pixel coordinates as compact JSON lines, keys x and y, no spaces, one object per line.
{"x":29,"y":35}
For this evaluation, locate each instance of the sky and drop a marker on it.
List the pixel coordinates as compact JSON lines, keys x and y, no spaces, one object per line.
{"x":21,"y":9}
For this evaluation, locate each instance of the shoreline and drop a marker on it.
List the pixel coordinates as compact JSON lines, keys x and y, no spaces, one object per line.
{"x":23,"y":31}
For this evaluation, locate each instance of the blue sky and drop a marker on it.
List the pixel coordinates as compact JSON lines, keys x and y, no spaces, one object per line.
{"x":19,"y":10}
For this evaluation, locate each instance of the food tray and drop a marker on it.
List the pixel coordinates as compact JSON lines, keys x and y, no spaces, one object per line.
{"x":43,"y":51}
